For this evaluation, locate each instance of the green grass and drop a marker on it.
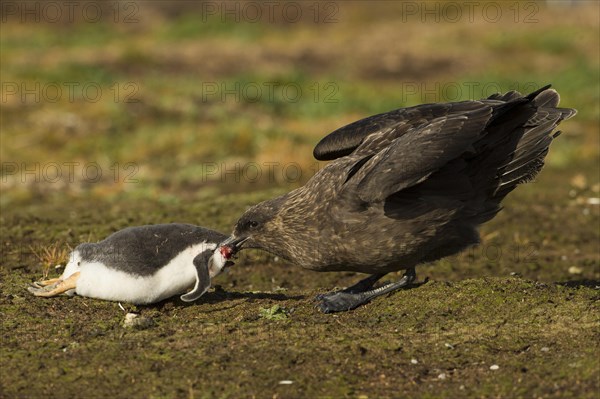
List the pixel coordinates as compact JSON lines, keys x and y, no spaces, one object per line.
{"x":200,"y":25}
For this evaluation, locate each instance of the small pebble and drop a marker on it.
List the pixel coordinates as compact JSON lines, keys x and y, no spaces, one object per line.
{"x":414,"y":361}
{"x":70,"y":346}
{"x":133,"y":320}
{"x":545,"y":349}
{"x":442,"y":376}
{"x":494,"y":367}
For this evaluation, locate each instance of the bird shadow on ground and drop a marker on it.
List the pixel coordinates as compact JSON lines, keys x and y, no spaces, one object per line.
{"x":580,"y":283}
{"x":222,"y":296}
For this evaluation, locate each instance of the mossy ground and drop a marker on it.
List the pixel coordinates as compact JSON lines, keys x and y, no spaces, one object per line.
{"x":542,"y":329}
{"x":525,"y":300}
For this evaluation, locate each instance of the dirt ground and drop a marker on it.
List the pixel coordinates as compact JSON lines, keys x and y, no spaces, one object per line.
{"x":517,"y":316}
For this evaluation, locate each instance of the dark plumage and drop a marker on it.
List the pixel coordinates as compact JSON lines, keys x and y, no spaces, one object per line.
{"x":406,"y":187}
{"x":142,"y":250}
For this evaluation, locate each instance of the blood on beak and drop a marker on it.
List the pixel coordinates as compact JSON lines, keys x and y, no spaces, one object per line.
{"x":231,"y":246}
{"x":226,"y":251}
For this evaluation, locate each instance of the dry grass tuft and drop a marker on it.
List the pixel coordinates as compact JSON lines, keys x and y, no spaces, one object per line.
{"x":52,"y":255}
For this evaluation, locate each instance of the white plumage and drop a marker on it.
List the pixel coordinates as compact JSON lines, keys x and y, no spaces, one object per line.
{"x":142,"y":265}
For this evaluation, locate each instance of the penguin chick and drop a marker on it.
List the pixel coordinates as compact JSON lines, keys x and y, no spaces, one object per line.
{"x":141,"y":265}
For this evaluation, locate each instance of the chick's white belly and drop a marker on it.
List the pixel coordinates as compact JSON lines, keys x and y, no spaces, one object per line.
{"x":98,"y":281}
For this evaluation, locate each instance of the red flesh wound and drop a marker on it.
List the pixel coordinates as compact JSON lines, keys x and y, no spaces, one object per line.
{"x":226,"y":251}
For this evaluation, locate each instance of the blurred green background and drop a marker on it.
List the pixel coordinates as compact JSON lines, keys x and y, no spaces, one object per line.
{"x":180,"y":101}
